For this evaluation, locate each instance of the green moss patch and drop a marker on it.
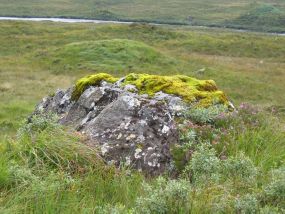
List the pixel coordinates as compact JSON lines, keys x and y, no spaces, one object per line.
{"x":91,"y":80}
{"x":202,"y":92}
{"x":191,"y":90}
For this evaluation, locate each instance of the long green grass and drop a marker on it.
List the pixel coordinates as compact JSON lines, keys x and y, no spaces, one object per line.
{"x":49,"y":169}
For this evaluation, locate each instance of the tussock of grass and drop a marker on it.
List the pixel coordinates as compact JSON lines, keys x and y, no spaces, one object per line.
{"x":48,"y":169}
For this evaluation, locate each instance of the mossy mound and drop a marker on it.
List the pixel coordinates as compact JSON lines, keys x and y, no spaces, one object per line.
{"x":204,"y":93}
{"x":110,"y":55}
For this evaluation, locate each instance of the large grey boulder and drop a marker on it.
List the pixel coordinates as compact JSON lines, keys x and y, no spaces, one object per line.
{"x":127,"y":128}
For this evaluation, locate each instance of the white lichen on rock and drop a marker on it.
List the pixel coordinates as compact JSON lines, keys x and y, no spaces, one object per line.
{"x":131,"y":119}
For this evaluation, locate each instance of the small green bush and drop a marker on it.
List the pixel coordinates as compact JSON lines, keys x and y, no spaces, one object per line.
{"x":247,"y":204}
{"x":164,"y":197}
{"x":206,"y":115}
{"x":21,"y":176}
{"x":274,"y":192}
{"x":239,"y":168}
{"x":204,"y":165}
{"x":38,"y":123}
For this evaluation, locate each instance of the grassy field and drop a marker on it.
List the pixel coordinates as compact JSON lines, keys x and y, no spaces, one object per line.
{"x":258,"y":15}
{"x":38,"y":58}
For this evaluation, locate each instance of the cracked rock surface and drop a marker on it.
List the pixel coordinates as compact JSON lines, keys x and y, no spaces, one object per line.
{"x":128,"y":128}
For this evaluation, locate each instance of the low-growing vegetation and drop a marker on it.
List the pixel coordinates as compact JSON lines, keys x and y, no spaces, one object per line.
{"x":49,"y":169}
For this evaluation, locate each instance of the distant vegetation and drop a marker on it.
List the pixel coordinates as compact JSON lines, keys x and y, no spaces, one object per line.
{"x":258,"y":15}
{"x":261,"y":17}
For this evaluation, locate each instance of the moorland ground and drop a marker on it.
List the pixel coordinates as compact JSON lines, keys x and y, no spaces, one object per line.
{"x":38,"y":58}
{"x":260,"y":15}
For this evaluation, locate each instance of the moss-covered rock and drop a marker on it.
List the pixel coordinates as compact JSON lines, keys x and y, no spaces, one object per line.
{"x":203,"y":93}
{"x":91,"y":80}
{"x":129,"y":128}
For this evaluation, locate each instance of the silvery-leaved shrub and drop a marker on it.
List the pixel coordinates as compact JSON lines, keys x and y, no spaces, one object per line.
{"x":204,"y":165}
{"x":205,"y":115}
{"x":164,"y":196}
{"x":223,"y":203}
{"x":274,"y":192}
{"x":21,"y":176}
{"x":246,"y":204}
{"x":239,"y":167}
{"x":38,"y":123}
{"x":189,"y":136}
{"x":53,"y":182}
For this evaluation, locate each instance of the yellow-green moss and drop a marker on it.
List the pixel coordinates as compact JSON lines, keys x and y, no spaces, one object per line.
{"x":202,"y":92}
{"x":191,"y":90}
{"x":91,"y":80}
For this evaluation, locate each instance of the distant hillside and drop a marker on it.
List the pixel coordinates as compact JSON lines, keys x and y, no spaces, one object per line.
{"x":258,"y":15}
